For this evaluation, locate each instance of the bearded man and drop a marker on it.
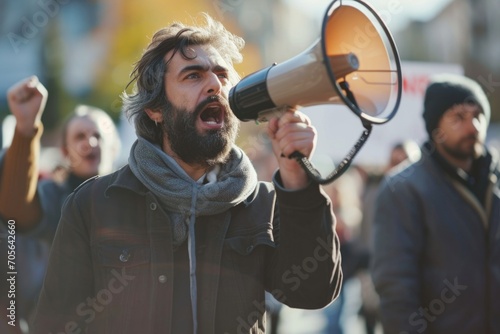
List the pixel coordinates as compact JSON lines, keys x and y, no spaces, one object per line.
{"x":184,"y":239}
{"x":436,"y":260}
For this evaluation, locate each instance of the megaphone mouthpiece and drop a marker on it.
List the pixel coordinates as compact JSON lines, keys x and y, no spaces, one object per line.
{"x":250,"y":96}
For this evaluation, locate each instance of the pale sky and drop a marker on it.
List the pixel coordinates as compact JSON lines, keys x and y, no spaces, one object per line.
{"x":394,"y":12}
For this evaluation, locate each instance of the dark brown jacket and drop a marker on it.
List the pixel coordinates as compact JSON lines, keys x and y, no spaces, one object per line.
{"x":113,"y":268}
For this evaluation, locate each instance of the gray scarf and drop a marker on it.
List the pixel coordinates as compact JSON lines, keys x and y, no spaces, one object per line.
{"x":181,"y":196}
{"x":184,"y":199}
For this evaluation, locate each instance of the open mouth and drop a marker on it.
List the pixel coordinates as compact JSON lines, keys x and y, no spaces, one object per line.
{"x":91,"y":157}
{"x":213,"y":114}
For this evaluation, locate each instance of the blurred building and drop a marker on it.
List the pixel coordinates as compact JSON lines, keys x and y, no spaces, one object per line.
{"x":83,"y":50}
{"x":62,"y":42}
{"x":278,"y":29}
{"x":463,"y":32}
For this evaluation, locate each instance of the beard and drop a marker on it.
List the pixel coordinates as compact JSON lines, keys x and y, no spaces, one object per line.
{"x":204,"y":149}
{"x":467,"y":148}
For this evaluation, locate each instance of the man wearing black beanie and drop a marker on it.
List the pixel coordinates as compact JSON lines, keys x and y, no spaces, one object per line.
{"x":448,"y":90}
{"x":436,"y":262}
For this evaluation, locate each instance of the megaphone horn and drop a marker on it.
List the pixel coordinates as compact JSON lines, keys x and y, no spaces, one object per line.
{"x":355,"y":62}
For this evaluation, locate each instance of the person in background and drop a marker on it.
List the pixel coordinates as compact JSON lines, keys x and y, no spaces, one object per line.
{"x":407,"y":150}
{"x":89,"y":144}
{"x":185,"y":239}
{"x":345,"y":193}
{"x":436,"y":261}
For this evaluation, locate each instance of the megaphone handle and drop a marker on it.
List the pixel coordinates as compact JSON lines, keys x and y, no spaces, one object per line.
{"x":341,"y":168}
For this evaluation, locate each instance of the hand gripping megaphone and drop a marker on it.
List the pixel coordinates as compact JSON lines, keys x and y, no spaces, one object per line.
{"x":355,"y":62}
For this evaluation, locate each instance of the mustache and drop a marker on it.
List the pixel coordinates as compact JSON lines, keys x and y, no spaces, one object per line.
{"x":471,"y":137}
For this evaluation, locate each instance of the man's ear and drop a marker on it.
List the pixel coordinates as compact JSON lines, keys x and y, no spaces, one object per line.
{"x":155,"y":115}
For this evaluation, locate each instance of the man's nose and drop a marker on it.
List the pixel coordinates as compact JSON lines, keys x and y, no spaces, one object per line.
{"x":214,"y":85}
{"x":88,"y":144}
{"x":473,"y":125}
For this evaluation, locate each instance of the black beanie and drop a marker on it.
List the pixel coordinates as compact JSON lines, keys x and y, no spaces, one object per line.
{"x":445,"y":91}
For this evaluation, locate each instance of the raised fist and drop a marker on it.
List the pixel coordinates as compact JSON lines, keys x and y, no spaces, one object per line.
{"x":27,"y":100}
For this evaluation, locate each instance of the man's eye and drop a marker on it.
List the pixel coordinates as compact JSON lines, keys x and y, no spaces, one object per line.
{"x":193,"y":76}
{"x":458,"y":115}
{"x":80,"y":136}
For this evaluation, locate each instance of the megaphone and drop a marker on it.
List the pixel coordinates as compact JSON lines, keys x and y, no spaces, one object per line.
{"x":355,"y":63}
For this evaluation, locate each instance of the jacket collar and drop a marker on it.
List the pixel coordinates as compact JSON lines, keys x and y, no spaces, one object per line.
{"x":125,"y":179}
{"x":478,"y":180}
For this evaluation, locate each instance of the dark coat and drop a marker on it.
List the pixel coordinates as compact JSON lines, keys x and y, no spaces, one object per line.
{"x":436,"y":262}
{"x":113,"y":268}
